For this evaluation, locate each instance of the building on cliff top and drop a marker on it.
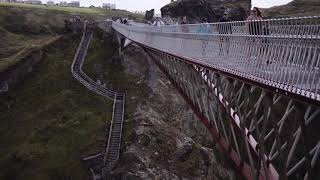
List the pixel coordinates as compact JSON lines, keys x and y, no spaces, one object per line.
{"x":108,"y":6}
{"x":33,"y":2}
{"x":10,"y":1}
{"x":71,"y":4}
{"x":51,"y":3}
{"x":74,"y":4}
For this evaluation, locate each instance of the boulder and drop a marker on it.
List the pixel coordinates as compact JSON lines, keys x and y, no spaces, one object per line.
{"x":184,"y":148}
{"x":211,"y":9}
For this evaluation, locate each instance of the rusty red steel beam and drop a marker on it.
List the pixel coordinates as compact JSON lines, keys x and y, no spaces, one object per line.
{"x":272,"y":174}
{"x":241,"y":166}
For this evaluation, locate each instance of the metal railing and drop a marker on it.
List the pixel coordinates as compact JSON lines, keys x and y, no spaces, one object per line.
{"x":283,"y":54}
{"x":112,"y":151}
{"x":266,"y":135}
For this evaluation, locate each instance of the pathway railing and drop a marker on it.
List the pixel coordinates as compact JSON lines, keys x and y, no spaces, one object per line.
{"x":280,"y":54}
{"x":112,"y":151}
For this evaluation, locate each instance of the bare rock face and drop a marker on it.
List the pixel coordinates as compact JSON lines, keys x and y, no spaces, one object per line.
{"x":211,"y":9}
{"x":168,"y":141}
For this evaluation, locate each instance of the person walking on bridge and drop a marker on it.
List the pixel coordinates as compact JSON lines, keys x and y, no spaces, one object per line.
{"x":255,"y":25}
{"x":184,"y":26}
{"x":254,"y":28}
{"x":184,"y":29}
{"x":257,"y":28}
{"x":224,"y":29}
{"x":204,"y":28}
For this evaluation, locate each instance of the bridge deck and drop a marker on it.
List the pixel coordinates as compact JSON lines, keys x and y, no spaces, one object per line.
{"x":287,"y":58}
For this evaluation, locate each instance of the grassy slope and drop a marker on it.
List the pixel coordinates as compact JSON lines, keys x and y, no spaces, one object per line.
{"x":50,"y":121}
{"x":66,"y":9}
{"x":295,"y":8}
{"x":87,"y":12}
{"x":24,"y":27}
{"x":15,"y":47}
{"x":15,"y":42}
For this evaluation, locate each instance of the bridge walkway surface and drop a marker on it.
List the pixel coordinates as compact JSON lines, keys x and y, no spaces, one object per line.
{"x":285,"y":58}
{"x":255,"y":85}
{"x":101,"y":164}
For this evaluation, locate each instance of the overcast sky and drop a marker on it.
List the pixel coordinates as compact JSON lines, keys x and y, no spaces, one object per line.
{"x":142,"y":5}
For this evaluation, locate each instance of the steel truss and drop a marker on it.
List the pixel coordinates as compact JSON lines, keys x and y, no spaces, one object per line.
{"x":265,"y":134}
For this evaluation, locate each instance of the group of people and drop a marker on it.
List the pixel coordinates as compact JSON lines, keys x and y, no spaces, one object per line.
{"x":254,"y":26}
{"x":122,"y":21}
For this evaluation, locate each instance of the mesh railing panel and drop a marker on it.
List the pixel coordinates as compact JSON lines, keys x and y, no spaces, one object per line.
{"x":282,"y":53}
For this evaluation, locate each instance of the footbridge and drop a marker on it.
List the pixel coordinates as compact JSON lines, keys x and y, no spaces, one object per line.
{"x":255,"y":85}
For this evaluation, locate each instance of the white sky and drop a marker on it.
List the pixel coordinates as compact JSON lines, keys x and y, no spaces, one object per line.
{"x":142,"y":5}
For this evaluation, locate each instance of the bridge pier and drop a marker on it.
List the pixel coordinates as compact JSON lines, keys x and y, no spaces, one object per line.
{"x":120,"y":40}
{"x":123,"y":42}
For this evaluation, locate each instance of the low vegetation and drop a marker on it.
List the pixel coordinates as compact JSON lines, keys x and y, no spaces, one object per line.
{"x":82,"y":10}
{"x":50,"y":121}
{"x":295,"y":8}
{"x":25,"y":28}
{"x":16,"y":47}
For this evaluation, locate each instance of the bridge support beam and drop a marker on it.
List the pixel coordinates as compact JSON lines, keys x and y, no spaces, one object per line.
{"x":122,"y":42}
{"x":259,"y":130}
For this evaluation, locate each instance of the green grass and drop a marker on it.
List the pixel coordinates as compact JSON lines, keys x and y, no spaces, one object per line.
{"x":83,"y":10}
{"x":15,"y":47}
{"x":25,"y":27}
{"x":59,"y":8}
{"x":50,"y":121}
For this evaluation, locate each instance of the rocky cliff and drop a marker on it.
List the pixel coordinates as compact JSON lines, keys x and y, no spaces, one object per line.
{"x":211,"y":9}
{"x":295,"y":8}
{"x":167,"y":141}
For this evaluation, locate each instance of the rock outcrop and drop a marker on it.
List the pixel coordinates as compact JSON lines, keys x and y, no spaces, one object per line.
{"x":294,"y":8}
{"x":168,"y":141}
{"x":211,"y":9}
